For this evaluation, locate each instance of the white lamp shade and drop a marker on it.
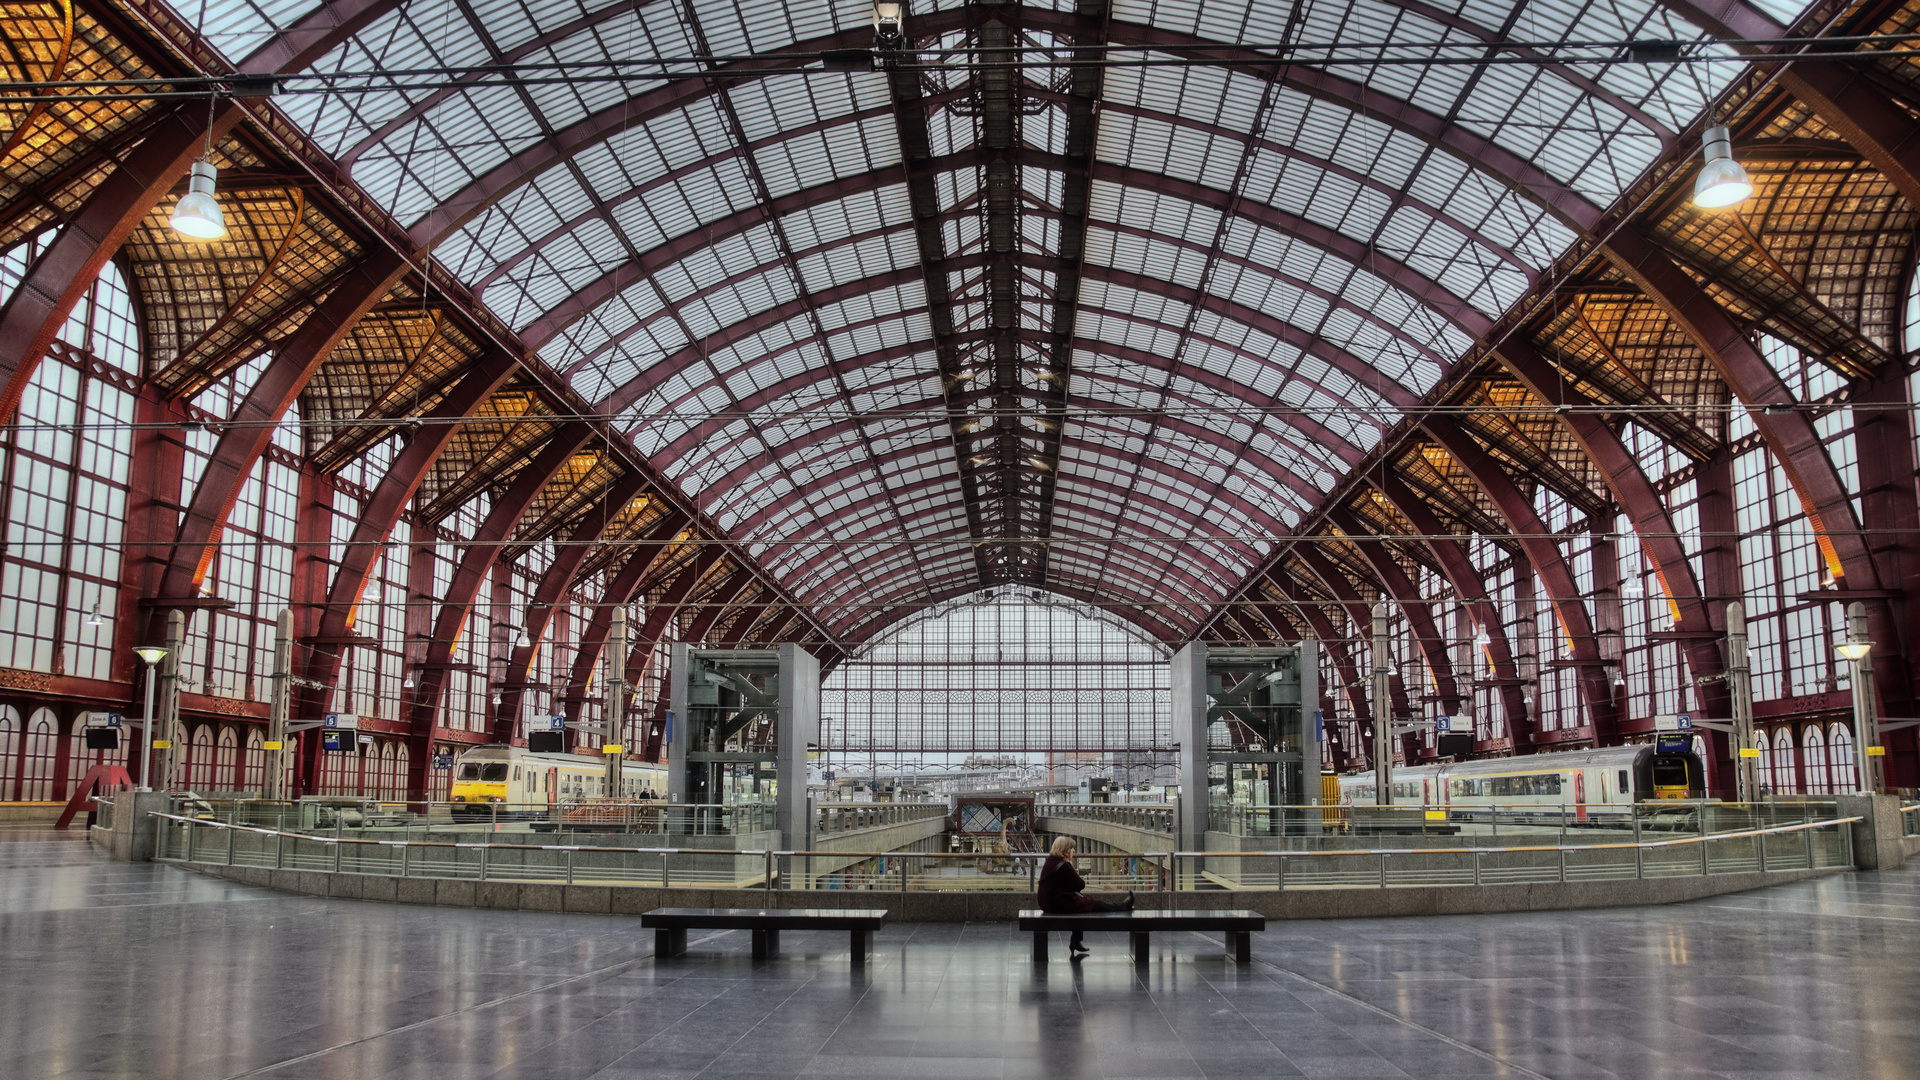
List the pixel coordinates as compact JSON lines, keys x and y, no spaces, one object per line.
{"x":197,"y":216}
{"x":152,"y":654}
{"x":1722,"y":182}
{"x":1854,"y":650}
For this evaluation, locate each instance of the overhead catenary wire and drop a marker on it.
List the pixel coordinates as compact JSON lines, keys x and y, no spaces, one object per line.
{"x":1465,"y":53}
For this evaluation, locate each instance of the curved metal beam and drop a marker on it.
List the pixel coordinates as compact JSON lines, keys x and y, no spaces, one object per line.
{"x":175,"y":137}
{"x":252,"y":425}
{"x":735,"y":483}
{"x":1360,"y":614}
{"x":1406,"y":595}
{"x":1596,"y":689}
{"x":554,"y":585}
{"x":1410,"y":282}
{"x":1471,"y":589}
{"x":41,"y":303}
{"x":1301,"y":423}
{"x":476,"y":563}
{"x":382,"y":511}
{"x":1659,"y":539}
{"x":462,"y":206}
{"x":619,"y":592}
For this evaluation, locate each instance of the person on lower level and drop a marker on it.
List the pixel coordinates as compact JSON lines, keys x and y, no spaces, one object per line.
{"x":1060,"y":890}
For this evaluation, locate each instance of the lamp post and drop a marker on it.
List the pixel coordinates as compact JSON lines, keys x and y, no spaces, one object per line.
{"x":152,"y":654}
{"x":1740,"y":701}
{"x":1857,"y":649}
{"x":1382,"y":711}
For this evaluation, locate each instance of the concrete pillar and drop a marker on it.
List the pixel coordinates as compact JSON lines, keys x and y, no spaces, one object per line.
{"x":796,"y":730}
{"x":1187,"y":675}
{"x":1877,"y":840}
{"x":130,"y":837}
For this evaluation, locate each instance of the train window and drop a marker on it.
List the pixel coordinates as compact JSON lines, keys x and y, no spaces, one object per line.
{"x":1669,"y":772}
{"x":470,"y":771}
{"x":1623,"y":781}
{"x":494,"y":773}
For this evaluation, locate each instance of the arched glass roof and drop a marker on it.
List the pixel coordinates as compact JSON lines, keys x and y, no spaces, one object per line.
{"x":1109,"y":330}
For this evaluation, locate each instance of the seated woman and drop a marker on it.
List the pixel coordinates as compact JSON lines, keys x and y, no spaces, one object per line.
{"x":1059,"y":891}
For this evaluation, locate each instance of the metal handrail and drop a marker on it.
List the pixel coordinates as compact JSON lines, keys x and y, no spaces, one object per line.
{"x":803,"y":852}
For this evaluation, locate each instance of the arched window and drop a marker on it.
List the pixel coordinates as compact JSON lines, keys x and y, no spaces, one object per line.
{"x":199,"y":770}
{"x":400,"y":773}
{"x":1813,"y":758}
{"x":337,"y":772}
{"x":9,"y":753}
{"x":253,"y":765}
{"x":1840,"y":760}
{"x":392,"y":784}
{"x":38,"y":756}
{"x":1763,"y":766}
{"x":225,"y":760}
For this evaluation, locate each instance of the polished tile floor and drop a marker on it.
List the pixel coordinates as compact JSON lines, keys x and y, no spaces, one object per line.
{"x":111,"y":970}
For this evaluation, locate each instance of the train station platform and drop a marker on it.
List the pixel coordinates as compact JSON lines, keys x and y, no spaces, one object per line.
{"x":145,"y":970}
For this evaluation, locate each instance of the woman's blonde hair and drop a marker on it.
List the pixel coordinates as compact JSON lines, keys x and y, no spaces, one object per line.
{"x":1063,"y":846}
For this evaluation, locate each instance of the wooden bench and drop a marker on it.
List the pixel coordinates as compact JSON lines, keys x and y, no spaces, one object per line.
{"x":1238,"y":925}
{"x":670,"y":926}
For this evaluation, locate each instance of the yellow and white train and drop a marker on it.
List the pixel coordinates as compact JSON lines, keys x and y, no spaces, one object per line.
{"x":507,"y":782}
{"x":1587,"y":783}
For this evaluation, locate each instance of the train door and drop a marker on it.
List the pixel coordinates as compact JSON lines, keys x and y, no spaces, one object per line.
{"x":1426,"y":792}
{"x":1580,"y":795}
{"x":553,"y":783}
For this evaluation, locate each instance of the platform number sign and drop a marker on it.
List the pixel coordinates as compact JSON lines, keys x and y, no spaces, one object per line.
{"x":556,"y":723}
{"x":1442,"y":725}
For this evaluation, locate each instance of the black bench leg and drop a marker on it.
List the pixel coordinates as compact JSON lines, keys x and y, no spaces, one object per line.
{"x":668,"y":942}
{"x":765,"y":944}
{"x":860,"y":946}
{"x":1141,"y":949}
{"x":1240,"y":946}
{"x":1039,"y":946}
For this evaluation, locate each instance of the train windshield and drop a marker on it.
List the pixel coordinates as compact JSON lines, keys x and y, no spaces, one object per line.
{"x":1669,"y":772}
{"x":474,"y":770}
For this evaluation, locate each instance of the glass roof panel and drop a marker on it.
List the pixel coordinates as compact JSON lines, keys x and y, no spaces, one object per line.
{"x":739,"y":361}
{"x":238,"y":27}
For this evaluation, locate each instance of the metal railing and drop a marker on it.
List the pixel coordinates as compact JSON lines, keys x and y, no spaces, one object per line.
{"x":1812,"y":845}
{"x":1159,"y":819}
{"x":1516,"y":823}
{"x":1910,"y":820}
{"x":834,"y":818}
{"x":336,"y":815}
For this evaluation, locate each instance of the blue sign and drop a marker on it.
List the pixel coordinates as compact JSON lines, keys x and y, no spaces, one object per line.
{"x":335,"y":740}
{"x":1442,"y":725}
{"x":1672,"y":744}
{"x":443,"y":762}
{"x":666,"y":732}
{"x":1686,"y":721}
{"x":1319,"y":726}
{"x":556,"y":723}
